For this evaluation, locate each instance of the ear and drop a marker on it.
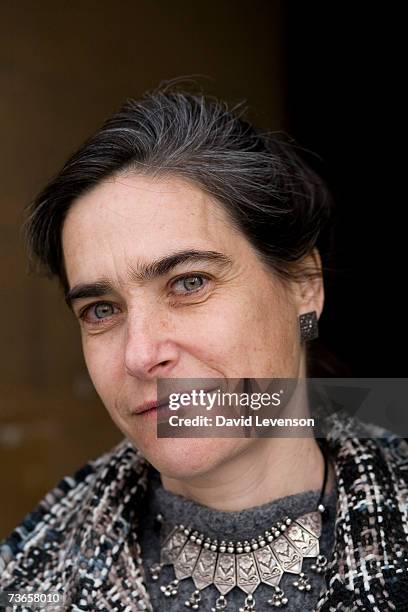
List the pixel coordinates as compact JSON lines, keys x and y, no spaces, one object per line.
{"x":308,"y":290}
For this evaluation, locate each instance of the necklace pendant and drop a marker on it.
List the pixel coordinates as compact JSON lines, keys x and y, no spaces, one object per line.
{"x":320,"y":564}
{"x":278,"y":599}
{"x":155,"y":570}
{"x":173,"y":544}
{"x":203,"y":572}
{"x":302,"y":583}
{"x":194,"y":602}
{"x":247,"y":573}
{"x":171,"y":589}
{"x":312,"y":521}
{"x":249,"y":605}
{"x":304,"y":534}
{"x":220,"y":604}
{"x":270,"y":572}
{"x":186,"y":561}
{"x":224,"y":576}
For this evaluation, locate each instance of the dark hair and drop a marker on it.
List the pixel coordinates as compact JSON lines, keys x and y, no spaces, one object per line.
{"x":270,"y":193}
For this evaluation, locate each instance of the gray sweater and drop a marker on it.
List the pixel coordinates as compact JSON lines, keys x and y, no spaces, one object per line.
{"x":241,"y":525}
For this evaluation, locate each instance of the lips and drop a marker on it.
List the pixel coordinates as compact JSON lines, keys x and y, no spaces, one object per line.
{"x":151,"y":405}
{"x":163,"y":402}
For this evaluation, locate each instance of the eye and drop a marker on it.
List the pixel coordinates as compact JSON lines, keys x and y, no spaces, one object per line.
{"x":189,"y":284}
{"x":98,"y":313}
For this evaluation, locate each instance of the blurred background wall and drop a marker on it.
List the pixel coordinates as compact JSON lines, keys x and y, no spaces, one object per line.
{"x":321,"y":71}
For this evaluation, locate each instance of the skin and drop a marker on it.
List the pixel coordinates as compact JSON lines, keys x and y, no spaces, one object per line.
{"x":144,"y":329}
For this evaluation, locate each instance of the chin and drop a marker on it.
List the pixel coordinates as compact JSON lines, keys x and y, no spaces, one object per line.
{"x":184,"y":458}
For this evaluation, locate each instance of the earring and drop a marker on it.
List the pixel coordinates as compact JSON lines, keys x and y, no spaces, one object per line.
{"x":308,"y":326}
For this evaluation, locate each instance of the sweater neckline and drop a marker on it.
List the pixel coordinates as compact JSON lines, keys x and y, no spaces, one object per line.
{"x":241,"y":524}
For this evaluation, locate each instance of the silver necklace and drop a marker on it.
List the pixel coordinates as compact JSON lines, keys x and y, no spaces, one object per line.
{"x":226,"y":564}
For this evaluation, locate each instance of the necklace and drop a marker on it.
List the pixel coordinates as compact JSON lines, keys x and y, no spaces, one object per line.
{"x":226,"y":564}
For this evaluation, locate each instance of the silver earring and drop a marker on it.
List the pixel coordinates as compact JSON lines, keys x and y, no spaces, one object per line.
{"x":308,"y":326}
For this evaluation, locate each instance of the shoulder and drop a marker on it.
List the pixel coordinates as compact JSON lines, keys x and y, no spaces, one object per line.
{"x":65,"y":505}
{"x":394,"y":451}
{"x":393,"y":447}
{"x":341,"y":426}
{"x":370,"y":450}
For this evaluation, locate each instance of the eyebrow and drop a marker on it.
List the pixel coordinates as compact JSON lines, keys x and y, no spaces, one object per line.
{"x":145,"y":272}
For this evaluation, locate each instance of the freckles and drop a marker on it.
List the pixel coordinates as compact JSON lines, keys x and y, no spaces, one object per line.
{"x":99,"y":362}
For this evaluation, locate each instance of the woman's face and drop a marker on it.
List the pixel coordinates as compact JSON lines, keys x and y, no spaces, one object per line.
{"x":221,"y":314}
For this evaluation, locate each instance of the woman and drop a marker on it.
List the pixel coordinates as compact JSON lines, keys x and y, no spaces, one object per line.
{"x":189,"y":245}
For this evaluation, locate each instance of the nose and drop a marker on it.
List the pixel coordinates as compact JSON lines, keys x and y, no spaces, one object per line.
{"x":150,"y":349}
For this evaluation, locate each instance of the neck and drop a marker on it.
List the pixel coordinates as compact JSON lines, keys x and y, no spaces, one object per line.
{"x":268,"y":469}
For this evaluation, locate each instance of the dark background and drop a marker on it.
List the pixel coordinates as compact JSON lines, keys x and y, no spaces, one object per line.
{"x":328,"y":74}
{"x":345,"y":72}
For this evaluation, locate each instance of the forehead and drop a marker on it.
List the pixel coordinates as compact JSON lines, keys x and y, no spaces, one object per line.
{"x":128,"y":217}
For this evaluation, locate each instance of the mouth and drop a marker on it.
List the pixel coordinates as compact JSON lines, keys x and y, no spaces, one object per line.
{"x":150,"y":406}
{"x":153,"y":407}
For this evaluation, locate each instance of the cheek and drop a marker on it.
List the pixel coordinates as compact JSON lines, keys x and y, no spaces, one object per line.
{"x":250,"y":339}
{"x":215,"y":339}
{"x":273,"y":334}
{"x":105,"y":366}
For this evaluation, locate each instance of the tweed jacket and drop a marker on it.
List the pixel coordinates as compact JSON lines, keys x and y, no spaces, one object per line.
{"x":83,"y":537}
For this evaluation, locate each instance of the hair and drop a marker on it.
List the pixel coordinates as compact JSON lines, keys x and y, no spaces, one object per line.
{"x":272,"y":196}
{"x":269,"y":192}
